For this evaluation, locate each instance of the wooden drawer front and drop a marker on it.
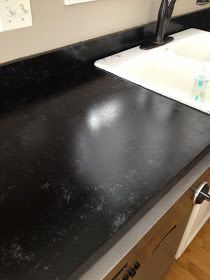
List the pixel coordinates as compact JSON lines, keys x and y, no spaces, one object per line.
{"x":156,"y":250}
{"x":158,"y":263}
{"x":171,"y":225}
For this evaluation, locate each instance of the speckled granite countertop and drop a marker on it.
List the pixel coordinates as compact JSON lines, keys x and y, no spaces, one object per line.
{"x":82,"y":153}
{"x":80,"y":162}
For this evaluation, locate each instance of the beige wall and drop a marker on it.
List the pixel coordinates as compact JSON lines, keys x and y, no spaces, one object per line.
{"x":56,"y":25}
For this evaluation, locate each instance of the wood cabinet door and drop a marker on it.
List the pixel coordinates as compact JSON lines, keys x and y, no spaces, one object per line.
{"x":156,"y":250}
{"x":199,"y":216}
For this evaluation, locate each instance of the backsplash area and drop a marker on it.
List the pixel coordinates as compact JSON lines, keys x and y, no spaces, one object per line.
{"x":76,"y":23}
{"x":56,"y":63}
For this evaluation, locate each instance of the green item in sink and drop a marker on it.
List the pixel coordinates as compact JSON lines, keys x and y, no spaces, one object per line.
{"x":200,"y":84}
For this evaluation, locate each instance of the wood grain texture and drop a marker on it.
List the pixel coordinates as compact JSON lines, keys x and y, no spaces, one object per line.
{"x":160,"y":243}
{"x":195,"y":262}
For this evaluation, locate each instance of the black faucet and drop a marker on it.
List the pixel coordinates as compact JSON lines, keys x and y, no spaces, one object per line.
{"x":164,"y":17}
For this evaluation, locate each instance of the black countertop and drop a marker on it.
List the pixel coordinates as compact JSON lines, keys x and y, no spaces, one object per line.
{"x":84,"y":154}
{"x":79,"y":161}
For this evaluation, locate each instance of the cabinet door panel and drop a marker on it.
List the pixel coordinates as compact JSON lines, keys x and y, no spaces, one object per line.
{"x":198,"y":218}
{"x":162,"y":257}
{"x":156,"y":250}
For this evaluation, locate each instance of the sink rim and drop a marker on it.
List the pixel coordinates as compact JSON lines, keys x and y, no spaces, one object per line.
{"x":114,"y":64}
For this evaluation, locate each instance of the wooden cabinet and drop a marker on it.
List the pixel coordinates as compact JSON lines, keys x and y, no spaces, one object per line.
{"x":156,"y":250}
{"x":199,"y":216}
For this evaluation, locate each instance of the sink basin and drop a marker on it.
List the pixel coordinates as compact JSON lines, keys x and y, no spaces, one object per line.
{"x":169,"y":70}
{"x":196,"y":46}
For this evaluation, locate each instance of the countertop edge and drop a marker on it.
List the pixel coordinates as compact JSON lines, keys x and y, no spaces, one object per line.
{"x":110,"y":259}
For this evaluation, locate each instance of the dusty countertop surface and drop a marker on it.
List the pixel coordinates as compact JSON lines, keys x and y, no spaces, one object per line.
{"x":79,"y":157}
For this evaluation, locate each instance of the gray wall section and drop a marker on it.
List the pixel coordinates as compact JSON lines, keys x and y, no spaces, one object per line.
{"x":56,"y":25}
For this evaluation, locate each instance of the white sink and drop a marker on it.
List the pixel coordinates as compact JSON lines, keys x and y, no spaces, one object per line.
{"x":196,"y":46}
{"x":169,"y":70}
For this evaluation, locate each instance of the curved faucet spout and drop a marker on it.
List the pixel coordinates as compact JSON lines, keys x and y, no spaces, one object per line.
{"x":164,"y":17}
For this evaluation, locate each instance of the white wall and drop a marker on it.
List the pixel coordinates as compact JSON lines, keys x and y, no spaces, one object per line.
{"x":56,"y":25}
